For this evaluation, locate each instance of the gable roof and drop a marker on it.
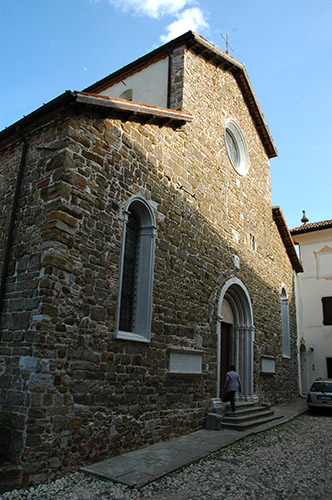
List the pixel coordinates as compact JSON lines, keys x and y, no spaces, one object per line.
{"x":287,"y":239}
{"x":193,"y":42}
{"x":215,"y":56}
{"x":312,"y":226}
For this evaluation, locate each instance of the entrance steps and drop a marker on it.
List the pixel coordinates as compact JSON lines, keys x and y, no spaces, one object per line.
{"x":247,"y":415}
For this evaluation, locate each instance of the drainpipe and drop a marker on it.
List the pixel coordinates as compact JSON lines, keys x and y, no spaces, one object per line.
{"x":12,"y":219}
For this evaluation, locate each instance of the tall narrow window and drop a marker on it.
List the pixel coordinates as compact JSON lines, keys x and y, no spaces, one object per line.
{"x":285,"y":323}
{"x":253,"y":242}
{"x":136,"y":272}
{"x":129,"y":274}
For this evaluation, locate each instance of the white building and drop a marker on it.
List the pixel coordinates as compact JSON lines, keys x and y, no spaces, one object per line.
{"x":314,"y":300}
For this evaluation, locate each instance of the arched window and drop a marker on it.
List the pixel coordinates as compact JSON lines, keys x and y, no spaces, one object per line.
{"x":285,"y":323}
{"x":129,"y":274}
{"x":136,"y":272}
{"x":127,"y":94}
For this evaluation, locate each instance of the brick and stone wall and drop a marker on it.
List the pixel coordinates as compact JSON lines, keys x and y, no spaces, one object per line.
{"x":238,"y":207}
{"x":76,"y":394}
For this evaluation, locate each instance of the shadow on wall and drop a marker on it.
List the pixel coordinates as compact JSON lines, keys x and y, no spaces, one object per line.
{"x":88,"y":395}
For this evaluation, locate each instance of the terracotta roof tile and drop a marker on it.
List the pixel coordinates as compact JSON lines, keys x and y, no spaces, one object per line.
{"x":148,"y":107}
{"x":312,"y":226}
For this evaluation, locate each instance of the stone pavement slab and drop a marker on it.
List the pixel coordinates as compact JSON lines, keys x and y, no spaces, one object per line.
{"x":140,"y":467}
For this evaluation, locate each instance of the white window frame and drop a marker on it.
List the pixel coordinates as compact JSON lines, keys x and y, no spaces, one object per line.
{"x":233,"y":129}
{"x":142,"y":310}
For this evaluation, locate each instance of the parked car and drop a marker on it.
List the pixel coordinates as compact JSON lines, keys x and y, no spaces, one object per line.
{"x":320,"y":394}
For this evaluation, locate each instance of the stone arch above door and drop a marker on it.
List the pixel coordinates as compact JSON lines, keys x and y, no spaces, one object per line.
{"x":234,"y":302}
{"x":227,"y":312}
{"x":238,"y":296}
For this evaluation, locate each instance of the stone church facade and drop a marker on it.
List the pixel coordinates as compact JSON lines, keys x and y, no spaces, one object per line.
{"x":140,"y":257}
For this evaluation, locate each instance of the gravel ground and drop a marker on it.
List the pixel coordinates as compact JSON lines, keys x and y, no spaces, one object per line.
{"x":292,"y":461}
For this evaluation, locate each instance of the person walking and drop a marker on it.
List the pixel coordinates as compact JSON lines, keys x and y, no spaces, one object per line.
{"x":232,"y":384}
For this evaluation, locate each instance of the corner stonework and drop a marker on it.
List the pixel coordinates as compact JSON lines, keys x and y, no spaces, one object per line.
{"x":177,"y":78}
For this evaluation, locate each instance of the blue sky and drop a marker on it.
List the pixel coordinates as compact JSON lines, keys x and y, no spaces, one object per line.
{"x":49,"y":46}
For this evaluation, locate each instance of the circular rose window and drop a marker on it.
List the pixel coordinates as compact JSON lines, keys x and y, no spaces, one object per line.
{"x":236,"y":147}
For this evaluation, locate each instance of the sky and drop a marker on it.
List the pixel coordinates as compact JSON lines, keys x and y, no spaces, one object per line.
{"x":49,"y":46}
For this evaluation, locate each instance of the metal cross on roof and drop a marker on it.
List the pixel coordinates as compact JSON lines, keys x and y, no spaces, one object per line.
{"x":227,"y":44}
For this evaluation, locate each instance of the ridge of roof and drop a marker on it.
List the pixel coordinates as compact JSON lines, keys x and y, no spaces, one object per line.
{"x":312,"y":226}
{"x":287,"y":239}
{"x":190,"y":38}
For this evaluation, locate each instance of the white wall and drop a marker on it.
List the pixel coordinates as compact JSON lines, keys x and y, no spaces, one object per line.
{"x":312,"y":285}
{"x":149,"y":85}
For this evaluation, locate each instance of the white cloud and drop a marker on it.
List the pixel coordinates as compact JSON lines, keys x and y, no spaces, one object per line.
{"x":189,"y":19}
{"x":151,"y":8}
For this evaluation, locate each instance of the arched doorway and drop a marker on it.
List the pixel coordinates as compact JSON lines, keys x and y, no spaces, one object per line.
{"x":235,"y":330}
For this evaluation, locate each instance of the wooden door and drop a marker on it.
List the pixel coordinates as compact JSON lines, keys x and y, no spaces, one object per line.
{"x":225,"y":347}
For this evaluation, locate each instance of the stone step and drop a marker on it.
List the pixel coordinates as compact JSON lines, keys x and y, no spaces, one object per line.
{"x":248,"y":411}
{"x":245,"y":404}
{"x":242,"y":426}
{"x":247,"y":417}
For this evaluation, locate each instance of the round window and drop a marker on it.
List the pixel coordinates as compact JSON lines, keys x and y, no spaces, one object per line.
{"x":236,"y":147}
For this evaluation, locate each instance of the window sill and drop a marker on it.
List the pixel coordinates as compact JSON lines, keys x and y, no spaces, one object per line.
{"x":184,"y":350}
{"x":135,"y":337}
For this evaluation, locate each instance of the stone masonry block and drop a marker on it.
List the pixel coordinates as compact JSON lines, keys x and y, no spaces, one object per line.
{"x":213,"y":422}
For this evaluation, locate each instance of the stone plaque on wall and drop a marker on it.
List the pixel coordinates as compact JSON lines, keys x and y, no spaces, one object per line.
{"x":185,"y":362}
{"x":268,"y":365}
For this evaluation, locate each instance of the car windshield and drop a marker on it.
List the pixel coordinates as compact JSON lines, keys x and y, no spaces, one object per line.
{"x":321,"y":387}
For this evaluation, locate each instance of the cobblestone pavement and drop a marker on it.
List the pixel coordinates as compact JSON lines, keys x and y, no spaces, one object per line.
{"x":292,"y":461}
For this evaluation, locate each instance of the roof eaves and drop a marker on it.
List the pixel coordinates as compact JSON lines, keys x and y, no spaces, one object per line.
{"x":312,"y":226}
{"x":63,"y":99}
{"x":129,"y":109}
{"x":216,"y":50}
{"x":135,"y":108}
{"x":242,"y":77}
{"x":287,"y":239}
{"x":257,"y":113}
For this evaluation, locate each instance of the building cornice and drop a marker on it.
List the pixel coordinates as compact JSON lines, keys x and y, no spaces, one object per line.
{"x":287,"y":239}
{"x":109,"y":106}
